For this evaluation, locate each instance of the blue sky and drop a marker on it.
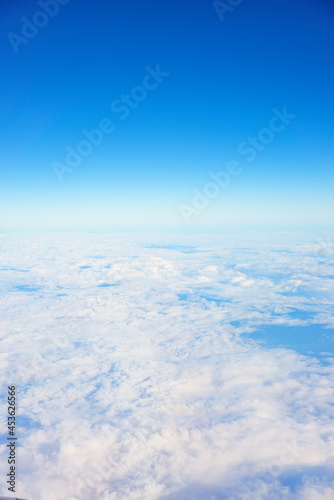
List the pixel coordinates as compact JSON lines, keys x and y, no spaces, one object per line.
{"x":225,"y":78}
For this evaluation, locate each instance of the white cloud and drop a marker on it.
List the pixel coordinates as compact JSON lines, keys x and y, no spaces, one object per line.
{"x":147,"y":389}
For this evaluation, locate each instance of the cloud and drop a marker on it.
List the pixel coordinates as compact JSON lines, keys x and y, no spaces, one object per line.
{"x":149,"y":388}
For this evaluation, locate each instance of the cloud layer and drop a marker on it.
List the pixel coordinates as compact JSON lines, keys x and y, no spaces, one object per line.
{"x":136,"y":378}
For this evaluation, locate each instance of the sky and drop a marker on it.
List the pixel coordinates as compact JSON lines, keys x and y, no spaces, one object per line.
{"x":212,"y":78}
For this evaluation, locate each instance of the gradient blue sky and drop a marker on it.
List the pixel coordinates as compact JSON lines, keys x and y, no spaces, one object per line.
{"x":225,"y":79}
